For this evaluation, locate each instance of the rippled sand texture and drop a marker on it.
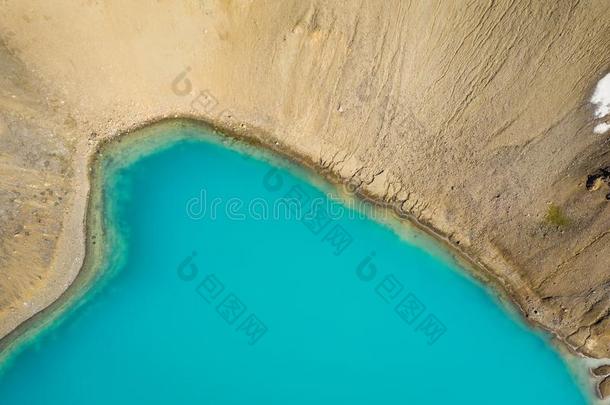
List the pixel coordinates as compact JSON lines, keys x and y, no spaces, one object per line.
{"x":473,"y":117}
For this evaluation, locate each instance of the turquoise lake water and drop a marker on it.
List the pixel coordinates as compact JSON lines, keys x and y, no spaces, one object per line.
{"x":220,"y":308}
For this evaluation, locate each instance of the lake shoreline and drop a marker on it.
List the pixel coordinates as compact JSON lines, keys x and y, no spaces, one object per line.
{"x":87,"y":277}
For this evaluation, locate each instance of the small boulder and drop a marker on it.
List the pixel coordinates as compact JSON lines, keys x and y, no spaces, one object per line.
{"x":601,"y":370}
{"x":604,"y":388}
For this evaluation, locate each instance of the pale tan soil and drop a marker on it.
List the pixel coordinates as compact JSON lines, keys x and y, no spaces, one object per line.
{"x":472,"y":116}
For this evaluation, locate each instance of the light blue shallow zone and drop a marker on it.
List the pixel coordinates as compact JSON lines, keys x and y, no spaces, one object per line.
{"x":148,"y":337}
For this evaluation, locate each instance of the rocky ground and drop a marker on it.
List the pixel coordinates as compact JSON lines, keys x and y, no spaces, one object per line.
{"x":471,"y":116}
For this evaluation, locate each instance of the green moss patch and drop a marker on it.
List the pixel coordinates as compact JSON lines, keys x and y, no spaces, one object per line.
{"x":555,"y":216}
